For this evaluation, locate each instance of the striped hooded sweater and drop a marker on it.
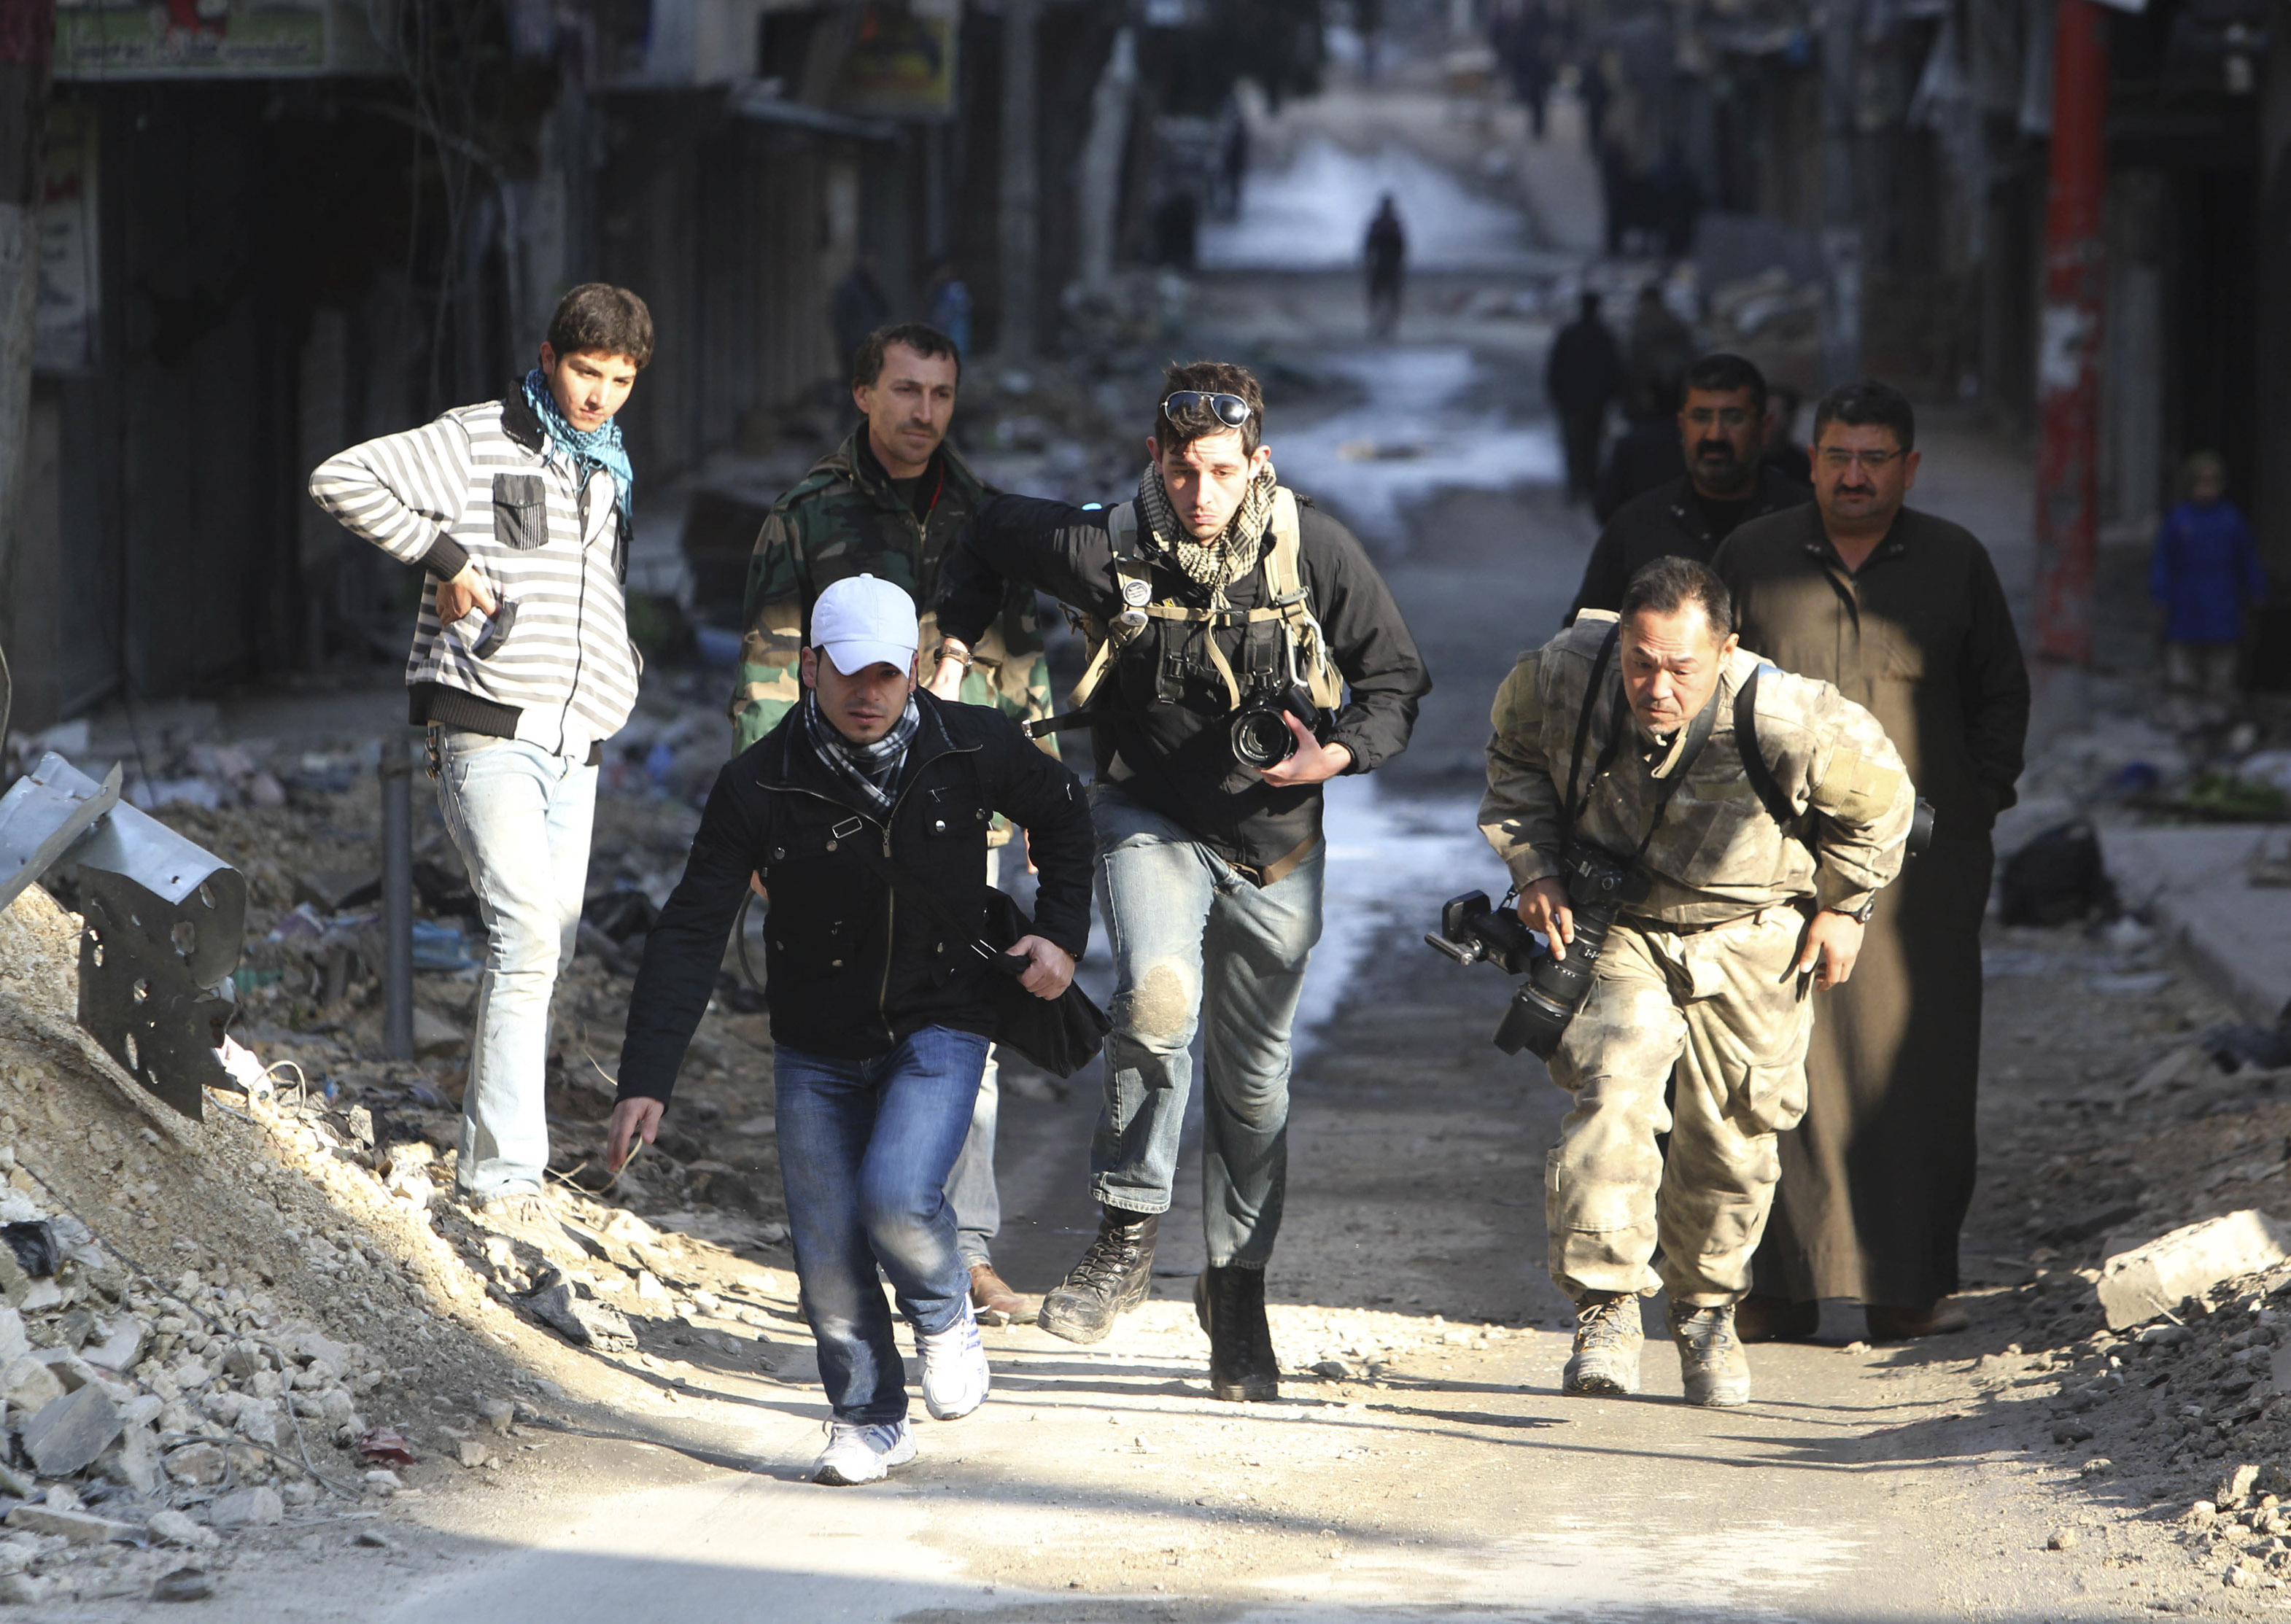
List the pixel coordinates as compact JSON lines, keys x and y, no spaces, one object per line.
{"x":555,"y":668}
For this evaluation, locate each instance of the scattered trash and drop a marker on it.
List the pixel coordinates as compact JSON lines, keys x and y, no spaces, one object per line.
{"x":384,"y":1446}
{"x":2057,"y":878}
{"x":34,"y":1243}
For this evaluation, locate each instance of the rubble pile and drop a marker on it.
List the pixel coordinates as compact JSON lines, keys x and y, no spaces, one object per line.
{"x":262,"y":1319}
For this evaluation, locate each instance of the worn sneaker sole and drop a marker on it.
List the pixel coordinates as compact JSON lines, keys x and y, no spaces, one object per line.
{"x":835,"y":1479}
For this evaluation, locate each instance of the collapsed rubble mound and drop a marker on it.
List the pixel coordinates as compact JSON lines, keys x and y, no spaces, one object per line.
{"x":205,"y":1324}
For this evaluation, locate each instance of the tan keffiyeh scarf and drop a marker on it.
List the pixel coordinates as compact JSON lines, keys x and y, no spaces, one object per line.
{"x":1232,"y":553}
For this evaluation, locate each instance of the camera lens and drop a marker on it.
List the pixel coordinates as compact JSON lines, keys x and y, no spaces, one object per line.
{"x":1261,"y":739}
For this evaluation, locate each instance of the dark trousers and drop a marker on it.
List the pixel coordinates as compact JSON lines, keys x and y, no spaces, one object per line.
{"x":1582,"y":428}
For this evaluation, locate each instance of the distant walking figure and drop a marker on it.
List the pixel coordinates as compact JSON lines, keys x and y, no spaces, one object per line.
{"x":1386,"y":252}
{"x":1583,"y":374}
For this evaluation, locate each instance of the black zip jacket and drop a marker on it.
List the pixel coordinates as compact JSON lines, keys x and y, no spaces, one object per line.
{"x":1668,"y":523}
{"x":1165,"y":735}
{"x":855,"y":970}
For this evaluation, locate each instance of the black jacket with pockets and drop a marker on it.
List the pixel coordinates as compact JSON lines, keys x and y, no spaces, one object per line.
{"x":854,"y":970}
{"x":1165,"y":714}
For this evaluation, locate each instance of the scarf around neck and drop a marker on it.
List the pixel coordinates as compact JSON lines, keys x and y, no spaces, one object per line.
{"x":871,"y":771}
{"x":599,"y":447}
{"x":1232,"y":553}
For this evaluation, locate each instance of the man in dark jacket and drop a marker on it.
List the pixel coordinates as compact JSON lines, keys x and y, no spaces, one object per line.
{"x":889,"y":503}
{"x":1721,"y":429}
{"x":865,"y":813}
{"x":1230,"y":612}
{"x":1583,"y":376}
{"x":1903,"y":612}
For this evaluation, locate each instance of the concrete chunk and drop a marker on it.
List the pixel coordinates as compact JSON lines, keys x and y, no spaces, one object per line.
{"x":27,"y":1384}
{"x":582,"y":1322}
{"x":2153,"y":1279}
{"x":247,"y":1508}
{"x":70,"y":1432}
{"x":175,"y":1528}
{"x":79,"y":1527}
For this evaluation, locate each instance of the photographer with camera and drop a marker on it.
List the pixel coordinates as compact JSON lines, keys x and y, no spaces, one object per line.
{"x":1635,"y":779}
{"x":1227,"y":618}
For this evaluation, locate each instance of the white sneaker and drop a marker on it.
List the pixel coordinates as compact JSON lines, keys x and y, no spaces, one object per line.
{"x":955,"y":1378}
{"x":857,"y":1452}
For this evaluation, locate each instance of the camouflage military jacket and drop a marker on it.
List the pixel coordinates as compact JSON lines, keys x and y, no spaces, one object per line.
{"x":843,"y":519}
{"x":1717,"y":854}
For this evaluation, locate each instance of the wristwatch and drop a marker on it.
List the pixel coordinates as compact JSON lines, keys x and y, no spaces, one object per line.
{"x":1861,"y":915}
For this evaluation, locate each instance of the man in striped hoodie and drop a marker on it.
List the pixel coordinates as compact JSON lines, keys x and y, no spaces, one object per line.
{"x":516,"y":512}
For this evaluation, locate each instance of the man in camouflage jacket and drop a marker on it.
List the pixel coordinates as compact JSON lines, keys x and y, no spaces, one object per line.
{"x":889,"y":503}
{"x":849,"y":517}
{"x":1710,"y":971}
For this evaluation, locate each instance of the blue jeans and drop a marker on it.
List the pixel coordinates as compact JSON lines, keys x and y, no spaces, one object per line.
{"x":521,"y":818}
{"x":866,"y":1146}
{"x":1196,"y":944}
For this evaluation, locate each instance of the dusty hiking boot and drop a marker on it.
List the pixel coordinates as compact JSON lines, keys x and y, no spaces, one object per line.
{"x":1608,"y":1339}
{"x":1711,"y":1362}
{"x":1230,"y":1304}
{"x":991,"y":1296}
{"x":1110,"y":1279}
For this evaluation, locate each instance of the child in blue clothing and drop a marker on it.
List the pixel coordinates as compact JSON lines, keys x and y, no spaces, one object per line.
{"x":2206,"y":571}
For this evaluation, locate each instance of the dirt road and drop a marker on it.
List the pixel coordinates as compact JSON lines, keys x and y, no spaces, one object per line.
{"x":1422,"y":1463}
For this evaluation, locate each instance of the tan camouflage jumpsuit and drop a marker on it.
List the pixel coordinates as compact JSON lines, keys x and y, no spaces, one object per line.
{"x":1702,"y":974}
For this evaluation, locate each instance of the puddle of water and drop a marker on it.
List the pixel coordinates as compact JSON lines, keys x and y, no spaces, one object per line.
{"x":1391,"y":861}
{"x":1313,"y":215}
{"x":1425,"y":444}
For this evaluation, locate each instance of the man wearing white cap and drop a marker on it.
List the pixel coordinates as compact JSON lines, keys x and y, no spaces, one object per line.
{"x":865,"y":812}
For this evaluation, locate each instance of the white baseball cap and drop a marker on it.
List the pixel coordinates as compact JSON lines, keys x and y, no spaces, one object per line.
{"x":863,"y":621}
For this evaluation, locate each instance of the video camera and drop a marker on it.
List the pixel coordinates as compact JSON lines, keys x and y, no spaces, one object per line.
{"x":1474,"y":931}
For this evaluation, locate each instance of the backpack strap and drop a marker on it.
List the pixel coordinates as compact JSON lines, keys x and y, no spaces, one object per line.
{"x":1754,"y":765}
{"x":1134,"y":581}
{"x":1570,"y":810}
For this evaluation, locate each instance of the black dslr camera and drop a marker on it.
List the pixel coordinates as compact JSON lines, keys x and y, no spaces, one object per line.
{"x":1260,"y":734}
{"x":1473,"y":931}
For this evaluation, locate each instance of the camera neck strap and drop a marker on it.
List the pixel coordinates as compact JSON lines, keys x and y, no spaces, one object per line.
{"x":1688,"y":750}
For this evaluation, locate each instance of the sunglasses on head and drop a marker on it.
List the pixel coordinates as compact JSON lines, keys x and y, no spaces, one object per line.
{"x":1231,"y":410}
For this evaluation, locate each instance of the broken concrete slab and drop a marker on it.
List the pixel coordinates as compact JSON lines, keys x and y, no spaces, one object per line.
{"x":79,"y":1527}
{"x":67,"y":1433}
{"x":2194,"y":885}
{"x":2154,"y":1279}
{"x":175,"y":1528}
{"x":583,"y":1322}
{"x":120,"y":1345}
{"x":247,"y":1508}
{"x":28,"y":1383}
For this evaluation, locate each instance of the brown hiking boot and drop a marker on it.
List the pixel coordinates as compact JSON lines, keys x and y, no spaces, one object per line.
{"x":1776,"y":1319}
{"x":991,"y":1297}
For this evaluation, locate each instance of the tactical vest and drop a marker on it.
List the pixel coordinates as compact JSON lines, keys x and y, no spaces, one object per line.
{"x":1310,"y":667}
